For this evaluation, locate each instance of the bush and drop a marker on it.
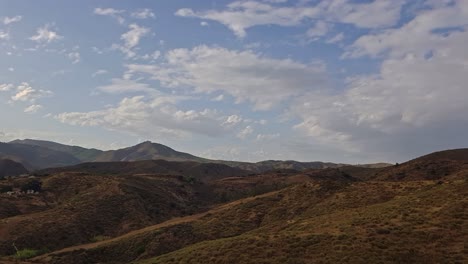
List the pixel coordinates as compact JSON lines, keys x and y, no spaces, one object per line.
{"x":27,"y":253}
{"x":33,"y":185}
{"x":4,"y":189}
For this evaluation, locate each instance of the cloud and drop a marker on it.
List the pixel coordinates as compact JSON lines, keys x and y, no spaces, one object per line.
{"x":239,"y":16}
{"x":204,"y":24}
{"x":267,"y":137}
{"x":232,"y":120}
{"x":151,"y":117}
{"x":99,"y":72}
{"x":10,"y":20}
{"x":25,"y":93}
{"x":143,"y":14}
{"x":45,"y":35}
{"x":4,"y":35}
{"x":6,"y":87}
{"x":118,"y":86}
{"x":131,"y":39}
{"x":244,"y":133}
{"x":33,"y":109}
{"x":320,"y":29}
{"x":336,"y":39}
{"x":247,"y":76}
{"x":415,"y":104}
{"x":74,"y":57}
{"x":115,"y":13}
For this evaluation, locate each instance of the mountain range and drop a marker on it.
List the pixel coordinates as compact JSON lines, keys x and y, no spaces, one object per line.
{"x":39,"y":154}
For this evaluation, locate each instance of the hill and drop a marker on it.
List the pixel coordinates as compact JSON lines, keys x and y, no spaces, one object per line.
{"x":36,"y":157}
{"x":82,"y":154}
{"x":89,"y":214}
{"x":448,"y":164}
{"x":146,"y":151}
{"x":11,"y":168}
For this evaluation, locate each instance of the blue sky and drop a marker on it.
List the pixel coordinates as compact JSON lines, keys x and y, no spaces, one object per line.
{"x":339,"y":80}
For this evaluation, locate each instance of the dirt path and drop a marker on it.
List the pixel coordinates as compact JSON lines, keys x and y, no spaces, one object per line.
{"x":174,"y":221}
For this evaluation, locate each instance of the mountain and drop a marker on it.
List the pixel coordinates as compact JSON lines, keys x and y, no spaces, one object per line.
{"x":36,"y":157}
{"x":11,"y":168}
{"x":146,"y":151}
{"x":82,"y":154}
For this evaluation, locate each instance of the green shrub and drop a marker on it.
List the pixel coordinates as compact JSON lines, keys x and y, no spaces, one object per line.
{"x":27,"y":253}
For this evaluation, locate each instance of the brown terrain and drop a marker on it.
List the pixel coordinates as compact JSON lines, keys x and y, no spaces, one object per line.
{"x":181,"y":212}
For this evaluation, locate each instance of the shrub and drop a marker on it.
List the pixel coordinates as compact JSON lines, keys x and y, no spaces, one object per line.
{"x":33,"y":185}
{"x":27,"y":253}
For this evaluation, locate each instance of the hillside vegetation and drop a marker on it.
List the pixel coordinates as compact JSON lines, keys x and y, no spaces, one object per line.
{"x":335,"y":215}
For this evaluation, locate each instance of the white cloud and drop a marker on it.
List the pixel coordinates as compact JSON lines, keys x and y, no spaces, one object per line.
{"x":242,"y":15}
{"x":204,"y":24}
{"x":99,"y":72}
{"x":320,"y":29}
{"x":125,"y":86}
{"x":11,"y":69}
{"x":133,"y":36}
{"x":336,"y":39}
{"x":218,"y":98}
{"x":151,"y":117}
{"x":33,"y":109}
{"x":244,"y":133}
{"x":267,"y":137}
{"x":10,"y":20}
{"x":115,"y":13}
{"x":25,"y":93}
{"x":45,"y":35}
{"x":131,"y":39}
{"x":6,"y":87}
{"x":232,"y":120}
{"x":415,"y":104}
{"x":245,"y":75}
{"x":152,"y":57}
{"x":143,"y":14}
{"x":74,"y":57}
{"x":4,"y":35}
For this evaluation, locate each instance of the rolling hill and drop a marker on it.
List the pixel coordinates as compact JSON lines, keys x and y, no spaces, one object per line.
{"x":88,"y":214}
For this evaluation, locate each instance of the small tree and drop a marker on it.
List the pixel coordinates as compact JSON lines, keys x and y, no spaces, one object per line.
{"x":33,"y":185}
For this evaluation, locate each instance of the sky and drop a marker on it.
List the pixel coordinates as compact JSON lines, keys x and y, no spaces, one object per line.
{"x":338,"y":80}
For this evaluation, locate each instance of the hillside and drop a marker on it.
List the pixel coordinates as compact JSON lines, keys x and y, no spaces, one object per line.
{"x":146,"y":151}
{"x":82,"y":154}
{"x":120,"y":212}
{"x":11,"y":168}
{"x":448,"y":164}
{"x":36,"y":157}
{"x":316,"y":220}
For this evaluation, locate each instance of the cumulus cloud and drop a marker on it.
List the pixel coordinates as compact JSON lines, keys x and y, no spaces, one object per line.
{"x":10,"y":20}
{"x":151,"y":116}
{"x":46,"y":34}
{"x":415,"y":104}
{"x":239,"y":16}
{"x":121,"y":85}
{"x":143,"y":14}
{"x":247,"y":76}
{"x":26,"y":93}
{"x":33,"y":109}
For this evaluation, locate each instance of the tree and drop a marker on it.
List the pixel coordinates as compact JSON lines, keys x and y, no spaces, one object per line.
{"x":33,"y":185}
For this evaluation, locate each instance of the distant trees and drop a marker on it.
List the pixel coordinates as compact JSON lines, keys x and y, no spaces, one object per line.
{"x":33,"y":185}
